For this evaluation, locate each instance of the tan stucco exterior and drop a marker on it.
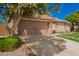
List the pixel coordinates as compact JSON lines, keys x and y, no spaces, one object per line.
{"x":59,"y":26}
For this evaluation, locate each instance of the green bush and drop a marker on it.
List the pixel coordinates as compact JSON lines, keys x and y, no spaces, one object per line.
{"x":9,"y":43}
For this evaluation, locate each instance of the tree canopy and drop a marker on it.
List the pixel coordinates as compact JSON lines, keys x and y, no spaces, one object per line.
{"x":73,"y":18}
{"x":28,"y":9}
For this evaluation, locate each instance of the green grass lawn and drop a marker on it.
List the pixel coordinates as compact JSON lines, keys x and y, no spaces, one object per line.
{"x":72,"y":36}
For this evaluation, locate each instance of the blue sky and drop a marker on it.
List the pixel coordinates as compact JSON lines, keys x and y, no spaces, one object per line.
{"x":2,"y":12}
{"x":66,"y":8}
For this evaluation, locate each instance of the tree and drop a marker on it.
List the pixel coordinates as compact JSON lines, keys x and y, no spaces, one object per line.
{"x":73,"y":18}
{"x":18,"y":10}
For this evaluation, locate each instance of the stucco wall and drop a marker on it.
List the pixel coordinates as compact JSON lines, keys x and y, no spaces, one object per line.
{"x":31,"y":27}
{"x":60,"y":27}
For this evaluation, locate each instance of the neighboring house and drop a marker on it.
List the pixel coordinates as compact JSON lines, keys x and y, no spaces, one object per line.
{"x":58,"y":25}
{"x":3,"y":30}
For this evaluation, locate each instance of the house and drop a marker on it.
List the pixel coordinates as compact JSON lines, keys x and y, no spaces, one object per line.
{"x":42,"y":25}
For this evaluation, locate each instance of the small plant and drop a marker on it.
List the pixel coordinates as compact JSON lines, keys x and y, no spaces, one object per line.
{"x":9,"y":43}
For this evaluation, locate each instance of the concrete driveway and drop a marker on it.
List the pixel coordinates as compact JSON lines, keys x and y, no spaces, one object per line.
{"x":45,"y":45}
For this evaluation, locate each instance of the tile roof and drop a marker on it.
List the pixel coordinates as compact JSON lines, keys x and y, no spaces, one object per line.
{"x":59,"y":20}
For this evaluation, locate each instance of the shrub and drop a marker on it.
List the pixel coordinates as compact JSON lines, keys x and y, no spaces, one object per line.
{"x":72,"y":29}
{"x":9,"y":43}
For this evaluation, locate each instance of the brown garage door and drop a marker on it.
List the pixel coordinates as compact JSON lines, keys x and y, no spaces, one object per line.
{"x":29,"y":27}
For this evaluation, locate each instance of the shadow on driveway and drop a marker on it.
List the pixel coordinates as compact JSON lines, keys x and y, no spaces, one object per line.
{"x":45,"y":45}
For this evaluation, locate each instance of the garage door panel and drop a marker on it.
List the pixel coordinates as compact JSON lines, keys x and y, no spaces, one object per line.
{"x":32,"y":27}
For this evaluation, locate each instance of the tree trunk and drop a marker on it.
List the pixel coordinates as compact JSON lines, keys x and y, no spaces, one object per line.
{"x":15,"y":25}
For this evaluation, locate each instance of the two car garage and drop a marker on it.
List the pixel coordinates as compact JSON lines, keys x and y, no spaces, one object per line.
{"x":33,"y":27}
